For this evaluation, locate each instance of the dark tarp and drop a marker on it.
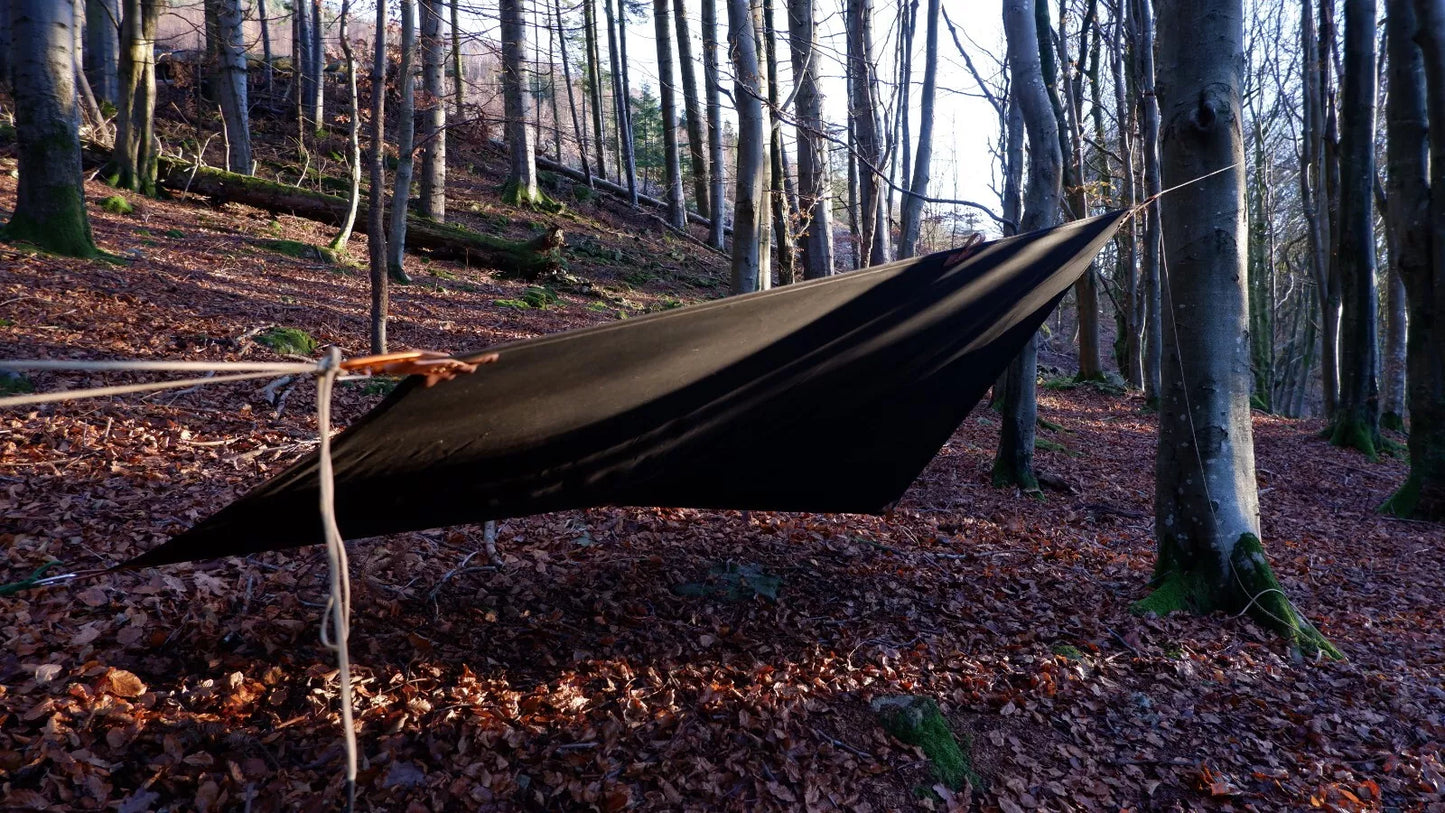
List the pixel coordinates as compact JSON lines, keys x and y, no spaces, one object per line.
{"x":828,"y":396}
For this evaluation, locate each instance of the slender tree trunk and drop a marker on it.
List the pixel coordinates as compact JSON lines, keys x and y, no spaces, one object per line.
{"x":778,"y":198}
{"x":1013,"y":464}
{"x":696,"y":143}
{"x":1357,"y":413}
{"x":578,"y":128}
{"x":1152,"y":245}
{"x":1416,"y":155}
{"x":913,"y":203}
{"x":629,"y":148}
{"x":459,"y":81}
{"x":405,"y":145}
{"x":1086,"y":290}
{"x":300,"y":66}
{"x":712,"y":91}
{"x":102,"y":48}
{"x":316,"y":70}
{"x":862,"y":112}
{"x":1132,"y":360}
{"x":133,"y":162}
{"x":627,"y":164}
{"x":1327,"y":192}
{"x":749,"y":260}
{"x":521,"y":186}
{"x":434,"y":116}
{"x":676,"y":206}
{"x":226,"y":55}
{"x":594,"y":84}
{"x":816,"y":237}
{"x":376,"y":214}
{"x":50,"y":195}
{"x":7,"y":61}
{"x":1206,"y":502}
{"x":1392,"y":405}
{"x":266,"y":50}
{"x":353,"y":132}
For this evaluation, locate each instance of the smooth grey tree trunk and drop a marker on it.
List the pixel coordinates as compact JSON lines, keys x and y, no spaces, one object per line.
{"x":1013,"y":463}
{"x":629,"y":148}
{"x":434,"y":117}
{"x":1357,"y":413}
{"x":226,"y":54}
{"x":1128,"y":241}
{"x":692,"y":103}
{"x":712,"y":91}
{"x":405,"y":145}
{"x":622,"y":105}
{"x":594,"y":84}
{"x":662,"y":25}
{"x":102,"y":49}
{"x":459,"y":80}
{"x":1392,"y":375}
{"x":749,"y":257}
{"x":779,"y":201}
{"x":866,"y":143}
{"x":266,"y":56}
{"x":353,"y":131}
{"x":1206,"y":500}
{"x":815,"y":199}
{"x":135,"y":156}
{"x":579,"y":127}
{"x":50,"y":194}
{"x":521,"y":186}
{"x":913,"y":202}
{"x":1151,"y":246}
{"x":316,"y":70}
{"x":376,"y":213}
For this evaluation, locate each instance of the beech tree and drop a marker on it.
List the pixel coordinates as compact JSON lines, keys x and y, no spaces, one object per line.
{"x":1013,"y":464}
{"x":918,"y":189}
{"x":692,"y":103}
{"x":750,"y":235}
{"x":866,"y":141}
{"x":815,"y":200}
{"x":1206,"y":502}
{"x":1357,"y":411}
{"x":226,"y":59}
{"x":50,"y":194}
{"x":434,"y":117}
{"x":521,"y":186}
{"x":676,"y":207}
{"x":712,"y":90}
{"x":405,"y":145}
{"x":135,"y":156}
{"x":102,"y":48}
{"x":353,"y":132}
{"x":376,"y":213}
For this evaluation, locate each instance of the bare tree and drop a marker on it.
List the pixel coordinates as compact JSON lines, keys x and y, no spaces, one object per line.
{"x":750,"y":238}
{"x":521,"y":186}
{"x":226,"y":58}
{"x":135,"y":158}
{"x":676,"y":207}
{"x":1013,"y":464}
{"x":692,"y":102}
{"x":1206,"y":502}
{"x":102,"y":48}
{"x":1151,"y":246}
{"x":353,"y":132}
{"x":434,"y":115}
{"x":913,"y":202}
{"x":7,"y":61}
{"x":866,"y":142}
{"x":816,"y":239}
{"x":1357,"y":413}
{"x":713,"y":91}
{"x":50,"y":195}
{"x":621,"y":99}
{"x":266,"y":56}
{"x":779,"y":199}
{"x":594,"y":83}
{"x":376,"y":213}
{"x":405,"y":145}
{"x":1416,"y":153}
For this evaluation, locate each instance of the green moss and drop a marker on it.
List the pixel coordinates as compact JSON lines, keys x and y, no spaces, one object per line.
{"x":1067,"y":651}
{"x":515,"y":304}
{"x":514,"y":194}
{"x":117,"y":205}
{"x":1405,"y":501}
{"x":1354,"y":433}
{"x":14,"y":384}
{"x":918,"y":721}
{"x":1006,"y":476}
{"x":299,"y":250}
{"x":289,"y":341}
{"x":1392,"y":421}
{"x":539,"y":297}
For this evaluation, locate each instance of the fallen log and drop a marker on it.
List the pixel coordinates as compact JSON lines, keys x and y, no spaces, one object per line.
{"x":528,"y":259}
{"x":617,"y":190}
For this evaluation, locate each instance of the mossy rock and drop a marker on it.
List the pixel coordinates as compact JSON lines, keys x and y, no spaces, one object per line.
{"x":14,"y":384}
{"x":117,"y":205}
{"x":918,"y":721}
{"x":288,"y":341}
{"x":300,"y":250}
{"x":539,"y":297}
{"x":514,"y":304}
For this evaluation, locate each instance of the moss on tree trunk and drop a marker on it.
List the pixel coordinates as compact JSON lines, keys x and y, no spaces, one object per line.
{"x":1247,"y":586}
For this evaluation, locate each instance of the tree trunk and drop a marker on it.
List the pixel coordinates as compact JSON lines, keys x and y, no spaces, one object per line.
{"x":266,"y":50}
{"x":353,"y":132}
{"x":1013,"y":463}
{"x":7,"y":61}
{"x":133,"y":162}
{"x":816,"y":231}
{"x":662,"y":24}
{"x":1416,"y":112}
{"x":1086,"y":290}
{"x":50,"y":195}
{"x":459,"y":81}
{"x":1206,"y":502}
{"x":521,"y":186}
{"x":226,"y":57}
{"x":433,"y":203}
{"x":627,"y":162}
{"x":1392,"y":400}
{"x":376,"y":214}
{"x":779,"y":200}
{"x":1357,"y":413}
{"x":749,"y":257}
{"x":692,"y":103}
{"x":405,"y":144}
{"x":316,"y":70}
{"x":1326,"y":201}
{"x":1132,"y":358}
{"x":712,"y":90}
{"x":300,"y":68}
{"x":913,"y":202}
{"x":102,"y":48}
{"x":579,"y":128}
{"x":1152,"y":245}
{"x":867,"y":147}
{"x":594,"y":83}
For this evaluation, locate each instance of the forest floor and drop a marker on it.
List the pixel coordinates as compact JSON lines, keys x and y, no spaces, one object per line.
{"x":640,"y":658}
